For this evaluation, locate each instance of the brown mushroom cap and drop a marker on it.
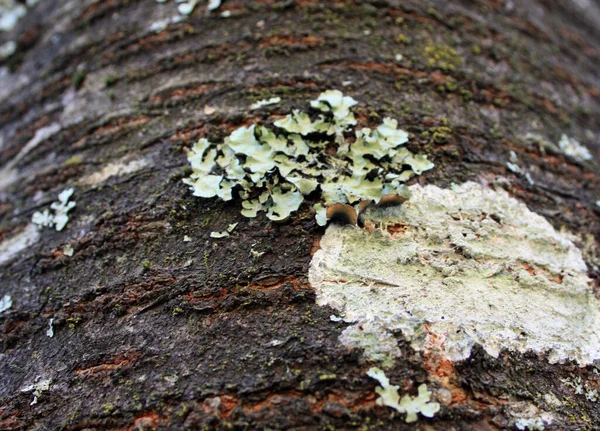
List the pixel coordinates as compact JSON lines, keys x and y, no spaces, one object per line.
{"x":391,"y":199}
{"x":342,"y":213}
{"x":362,"y":205}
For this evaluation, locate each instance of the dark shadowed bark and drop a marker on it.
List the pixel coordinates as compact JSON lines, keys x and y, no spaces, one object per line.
{"x":154,"y":332}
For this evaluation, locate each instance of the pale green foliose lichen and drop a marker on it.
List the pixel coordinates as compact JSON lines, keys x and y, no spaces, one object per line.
{"x":265,"y":102}
{"x":59,"y":218}
{"x":273,"y":169}
{"x":530,"y":424}
{"x":388,"y":396}
{"x":223,"y":234}
{"x":213,"y":4}
{"x":50,"y":330}
{"x":582,"y":388}
{"x":7,"y":49}
{"x":68,"y":250}
{"x":512,"y":163}
{"x":11,"y":11}
{"x":161,"y":25}
{"x":37,"y":388}
{"x":321,"y":214}
{"x":527,"y":416}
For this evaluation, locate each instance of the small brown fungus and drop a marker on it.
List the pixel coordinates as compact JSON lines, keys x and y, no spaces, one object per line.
{"x":362,"y":205}
{"x":391,"y":200}
{"x":342,"y":214}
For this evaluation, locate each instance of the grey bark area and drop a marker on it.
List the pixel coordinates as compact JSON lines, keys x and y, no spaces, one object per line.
{"x":153,"y":332}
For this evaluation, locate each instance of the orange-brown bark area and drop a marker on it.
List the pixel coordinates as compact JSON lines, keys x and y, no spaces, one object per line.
{"x":154,"y":332}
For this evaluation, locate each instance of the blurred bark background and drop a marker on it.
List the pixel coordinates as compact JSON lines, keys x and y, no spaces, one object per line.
{"x":153,"y":332}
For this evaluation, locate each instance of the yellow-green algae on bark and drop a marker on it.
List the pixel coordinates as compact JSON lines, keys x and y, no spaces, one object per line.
{"x":474,"y":264}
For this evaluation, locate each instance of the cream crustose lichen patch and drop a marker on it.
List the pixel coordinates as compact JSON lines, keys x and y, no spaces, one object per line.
{"x":272,"y":169}
{"x":472,"y":264}
{"x":11,"y":247}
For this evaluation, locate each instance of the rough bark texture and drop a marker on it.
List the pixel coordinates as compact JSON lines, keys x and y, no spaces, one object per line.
{"x":152,"y":332}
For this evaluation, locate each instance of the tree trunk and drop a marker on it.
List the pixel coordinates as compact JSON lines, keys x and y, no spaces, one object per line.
{"x":155,"y":324}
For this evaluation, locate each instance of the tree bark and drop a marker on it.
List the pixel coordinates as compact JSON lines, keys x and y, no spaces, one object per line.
{"x":154,"y":332}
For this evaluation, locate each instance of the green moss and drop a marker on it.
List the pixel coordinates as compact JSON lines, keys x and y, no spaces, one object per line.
{"x":108,"y":408}
{"x":327,"y":377}
{"x":110,"y":80}
{"x":451,"y":85}
{"x":465,"y":95}
{"x":78,"y":78}
{"x":74,"y":160}
{"x":443,"y":57}
{"x":520,"y":93}
{"x":118,"y":310}
{"x":495,"y":132}
{"x":435,"y":14}
{"x":565,"y":120}
{"x":74,"y":321}
{"x":583,"y":111}
{"x":399,"y":85}
{"x":438,"y":135}
{"x":500,"y":103}
{"x":403,"y":39}
{"x":373,"y":115}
